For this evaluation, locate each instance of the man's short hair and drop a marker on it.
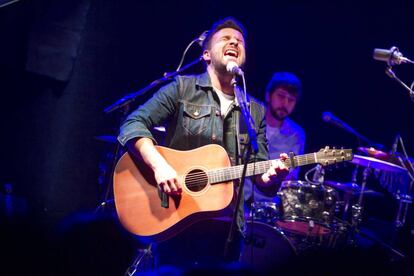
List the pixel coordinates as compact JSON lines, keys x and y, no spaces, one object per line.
{"x":287,"y":81}
{"x":228,"y":22}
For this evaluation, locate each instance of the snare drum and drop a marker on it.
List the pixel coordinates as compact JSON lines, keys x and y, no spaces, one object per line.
{"x":307,"y":209}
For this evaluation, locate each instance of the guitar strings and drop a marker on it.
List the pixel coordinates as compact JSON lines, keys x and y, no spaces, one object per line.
{"x":195,"y":179}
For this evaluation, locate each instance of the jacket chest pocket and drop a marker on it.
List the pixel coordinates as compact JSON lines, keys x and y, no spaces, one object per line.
{"x":196,"y":118}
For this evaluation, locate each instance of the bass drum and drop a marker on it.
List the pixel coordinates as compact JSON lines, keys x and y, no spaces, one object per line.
{"x":266,"y":248}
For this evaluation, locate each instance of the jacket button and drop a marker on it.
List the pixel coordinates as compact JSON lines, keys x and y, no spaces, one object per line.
{"x":213,"y":137}
{"x":218,"y":113}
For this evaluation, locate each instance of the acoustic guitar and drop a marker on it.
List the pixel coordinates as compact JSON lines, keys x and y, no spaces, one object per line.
{"x":206,"y":177}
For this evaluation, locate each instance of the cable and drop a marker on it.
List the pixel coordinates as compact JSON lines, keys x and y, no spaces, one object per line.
{"x":184,"y":53}
{"x":307,"y":174}
{"x":245,"y":89}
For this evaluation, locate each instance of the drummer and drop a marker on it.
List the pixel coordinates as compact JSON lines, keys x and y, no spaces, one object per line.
{"x":283,"y":134}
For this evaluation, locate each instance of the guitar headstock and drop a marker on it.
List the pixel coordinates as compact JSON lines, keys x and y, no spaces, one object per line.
{"x":328,"y":156}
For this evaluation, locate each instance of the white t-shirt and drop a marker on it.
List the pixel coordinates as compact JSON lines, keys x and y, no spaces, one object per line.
{"x":225,"y":101}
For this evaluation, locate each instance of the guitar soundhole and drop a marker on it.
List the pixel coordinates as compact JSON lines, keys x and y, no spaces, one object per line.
{"x":196,"y":180}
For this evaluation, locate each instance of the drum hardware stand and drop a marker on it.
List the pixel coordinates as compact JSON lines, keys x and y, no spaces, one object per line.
{"x":357,"y":209}
{"x":404,"y":201}
{"x":347,"y":202}
{"x":143,"y":262}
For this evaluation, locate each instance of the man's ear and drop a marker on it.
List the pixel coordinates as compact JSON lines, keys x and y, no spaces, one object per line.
{"x":206,"y":56}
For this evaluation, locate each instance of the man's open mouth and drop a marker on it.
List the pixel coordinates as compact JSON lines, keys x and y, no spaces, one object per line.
{"x":232,"y":53}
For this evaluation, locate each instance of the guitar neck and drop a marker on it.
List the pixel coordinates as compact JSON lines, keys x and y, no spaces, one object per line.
{"x":235,"y":172}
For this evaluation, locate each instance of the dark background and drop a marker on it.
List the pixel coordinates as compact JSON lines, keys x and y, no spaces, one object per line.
{"x":63,"y":62}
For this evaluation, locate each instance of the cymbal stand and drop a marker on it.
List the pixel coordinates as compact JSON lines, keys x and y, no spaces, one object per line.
{"x":348,"y":197}
{"x":357,"y":208}
{"x":404,"y":201}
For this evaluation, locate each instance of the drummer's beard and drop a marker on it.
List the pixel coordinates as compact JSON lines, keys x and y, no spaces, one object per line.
{"x":279,"y":113}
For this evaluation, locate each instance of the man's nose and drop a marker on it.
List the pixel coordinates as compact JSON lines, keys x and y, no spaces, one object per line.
{"x":284,"y":100}
{"x":234,"y":41}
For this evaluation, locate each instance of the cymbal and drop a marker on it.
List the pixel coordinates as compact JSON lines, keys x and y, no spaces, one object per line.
{"x":386,"y":156}
{"x":373,"y":152}
{"x":374,"y":163}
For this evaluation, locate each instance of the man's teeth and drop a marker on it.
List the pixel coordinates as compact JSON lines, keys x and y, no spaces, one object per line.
{"x":231,"y":53}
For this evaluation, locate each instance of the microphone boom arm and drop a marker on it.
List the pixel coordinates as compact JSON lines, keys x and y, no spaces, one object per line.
{"x":392,"y":75}
{"x":132,"y":97}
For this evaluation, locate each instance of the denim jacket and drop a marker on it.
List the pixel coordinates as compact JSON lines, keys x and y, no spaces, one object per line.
{"x":190,"y":109}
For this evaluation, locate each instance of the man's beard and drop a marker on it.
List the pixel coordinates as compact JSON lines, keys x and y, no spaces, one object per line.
{"x":219,"y":66}
{"x":279,"y":113}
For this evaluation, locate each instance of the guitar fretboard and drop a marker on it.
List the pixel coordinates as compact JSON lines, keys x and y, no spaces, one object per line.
{"x":231,"y":173}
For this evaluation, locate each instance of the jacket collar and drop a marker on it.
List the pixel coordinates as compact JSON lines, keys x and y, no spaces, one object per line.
{"x":203,"y":80}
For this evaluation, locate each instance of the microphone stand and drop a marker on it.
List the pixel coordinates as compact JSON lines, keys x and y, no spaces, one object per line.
{"x":244,"y":105}
{"x":352,"y":131}
{"x":252,"y":145}
{"x":392,"y":75}
{"x":133,"y":96}
{"x":362,"y":137}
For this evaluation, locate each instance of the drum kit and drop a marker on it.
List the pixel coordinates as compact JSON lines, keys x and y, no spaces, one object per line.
{"x":309,"y":215}
{"x":315,"y":215}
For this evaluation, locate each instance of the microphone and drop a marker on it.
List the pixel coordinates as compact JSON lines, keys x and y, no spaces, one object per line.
{"x":233,"y":67}
{"x":391,"y":57}
{"x":201,"y":38}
